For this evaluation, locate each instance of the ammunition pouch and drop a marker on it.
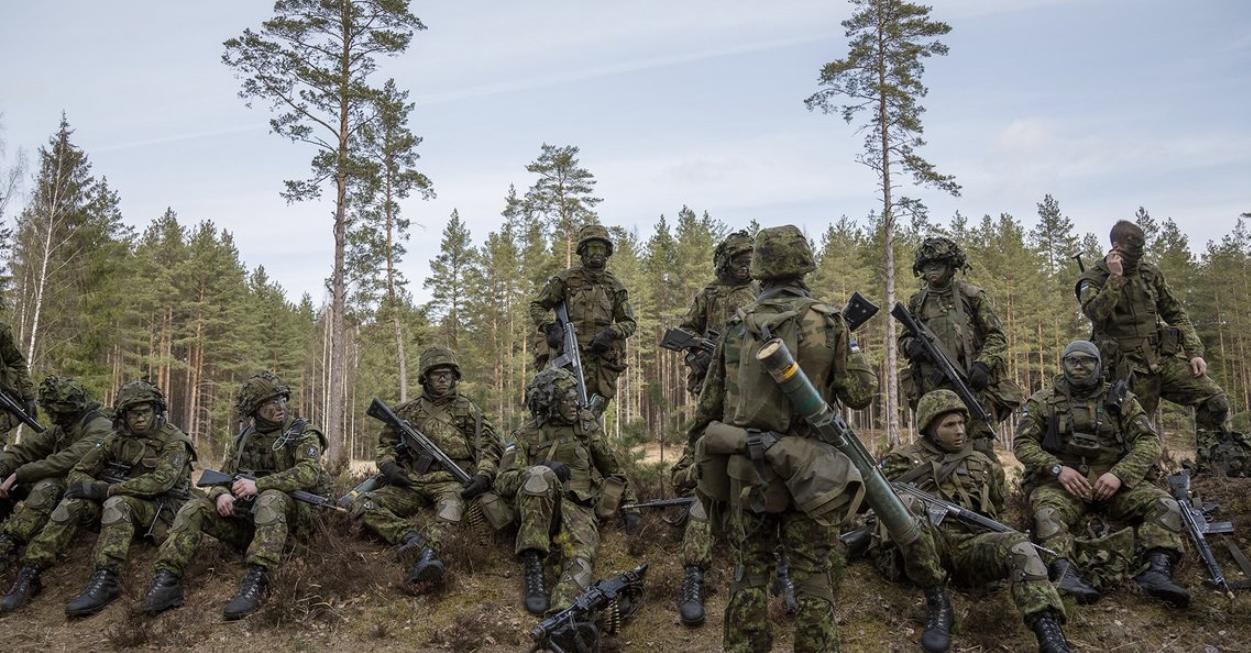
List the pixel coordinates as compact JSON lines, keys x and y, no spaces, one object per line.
{"x":610,"y":492}
{"x":1170,"y":341}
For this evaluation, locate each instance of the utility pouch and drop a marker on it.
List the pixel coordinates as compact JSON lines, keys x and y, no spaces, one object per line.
{"x":721,"y":439}
{"x":1170,"y":341}
{"x":610,"y":492}
{"x":1085,"y":442}
{"x":423,"y":464}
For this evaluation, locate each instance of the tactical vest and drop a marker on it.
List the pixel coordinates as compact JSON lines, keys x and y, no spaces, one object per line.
{"x":262,"y":454}
{"x":1081,"y":432}
{"x":439,"y":423}
{"x":962,"y":477}
{"x":566,"y":444}
{"x":949,"y":315}
{"x":722,"y":302}
{"x":1135,"y":319}
{"x":143,"y":454}
{"x":590,"y":303}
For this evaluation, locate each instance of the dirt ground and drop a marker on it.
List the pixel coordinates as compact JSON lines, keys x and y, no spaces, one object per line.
{"x":344,"y":592}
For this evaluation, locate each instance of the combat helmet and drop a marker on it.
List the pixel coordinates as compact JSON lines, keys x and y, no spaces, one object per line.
{"x":593,"y":232}
{"x":63,"y":394}
{"x":136,"y":392}
{"x":545,"y":390}
{"x":733,"y":245}
{"x":436,"y":356}
{"x":935,"y":404}
{"x":781,"y":252}
{"x":938,"y":248}
{"x":257,"y":390}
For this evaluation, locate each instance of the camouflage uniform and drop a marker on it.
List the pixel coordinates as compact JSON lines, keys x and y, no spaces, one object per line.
{"x":42,"y":460}
{"x":14,"y":380}
{"x":551,"y":511}
{"x":597,"y":303}
{"x":739,"y":392}
{"x":960,"y":316}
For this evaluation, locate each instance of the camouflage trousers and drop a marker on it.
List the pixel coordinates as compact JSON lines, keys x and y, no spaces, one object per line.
{"x":808,"y":545}
{"x":386,"y":511}
{"x":697,"y":539}
{"x":263,"y":530}
{"x":121,"y":518}
{"x":977,"y":559}
{"x":1154,"y":514}
{"x":1174,"y":381}
{"x":32,"y":514}
{"x":547,"y":516}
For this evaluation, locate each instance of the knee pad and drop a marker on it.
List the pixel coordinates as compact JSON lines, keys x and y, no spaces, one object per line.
{"x":1167,"y":514}
{"x":63,"y":512}
{"x":271,"y":508}
{"x":451,"y":509}
{"x":539,"y":481}
{"x":1212,"y":411}
{"x":115,"y":510}
{"x":1026,"y":565}
{"x":581,"y":572}
{"x":363,"y":504}
{"x":697,"y":511}
{"x":1047,"y":523}
{"x":44,"y":495}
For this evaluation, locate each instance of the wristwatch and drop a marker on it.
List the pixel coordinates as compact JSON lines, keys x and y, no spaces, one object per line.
{"x":1055,"y":470}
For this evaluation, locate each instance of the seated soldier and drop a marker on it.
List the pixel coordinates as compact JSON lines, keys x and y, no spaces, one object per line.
{"x":946,"y":464}
{"x":282,"y":453}
{"x":552,"y":477}
{"x":133,"y":483}
{"x":1086,"y":448}
{"x":34,"y":470}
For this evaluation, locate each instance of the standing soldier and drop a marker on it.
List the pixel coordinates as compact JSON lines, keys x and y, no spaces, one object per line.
{"x":740,"y":402}
{"x":34,"y":471}
{"x":14,"y":381}
{"x":282,"y":453}
{"x":599,"y":308}
{"x":149,"y":462}
{"x":968,"y":332}
{"x":564,"y":478}
{"x":1146,"y":337}
{"x":945,"y":464}
{"x":1086,"y":447}
{"x":455,"y":424}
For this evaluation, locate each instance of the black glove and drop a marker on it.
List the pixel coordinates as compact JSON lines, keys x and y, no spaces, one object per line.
{"x":555,"y":336}
{"x":479,"y":485}
{"x":94,"y":490}
{"x":32,"y":409}
{"x":632,"y":522}
{"x":561,"y":470}
{"x":916,"y":350}
{"x":979,"y":375}
{"x":394,"y":473}
{"x":603,"y":340}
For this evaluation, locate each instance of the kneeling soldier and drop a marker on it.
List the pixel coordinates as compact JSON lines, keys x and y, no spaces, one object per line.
{"x":946,"y":464}
{"x":282,"y":453}
{"x":147,"y":463}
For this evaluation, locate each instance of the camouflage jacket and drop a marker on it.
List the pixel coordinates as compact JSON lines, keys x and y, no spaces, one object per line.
{"x":159,"y":462}
{"x":55,"y":451}
{"x":582,"y":447}
{"x":962,"y":319}
{"x":1092,"y":438}
{"x":1126,"y":309}
{"x":713,"y":306}
{"x":967,"y":477}
{"x":453,"y":423}
{"x":284,"y":459}
{"x":595,"y":301}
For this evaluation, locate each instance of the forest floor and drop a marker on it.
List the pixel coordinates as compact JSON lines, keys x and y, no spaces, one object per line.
{"x":344,"y":592}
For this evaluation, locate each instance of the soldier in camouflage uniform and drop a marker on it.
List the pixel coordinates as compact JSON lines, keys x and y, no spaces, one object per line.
{"x":764,"y":513}
{"x":34,"y":471}
{"x":563,"y":478}
{"x":1086,"y":448}
{"x":1145,"y":336}
{"x":970,"y":334}
{"x":599,"y":307}
{"x":15,"y":381}
{"x":283,"y":453}
{"x":455,"y":424}
{"x":945,"y":464}
{"x":155,"y":458}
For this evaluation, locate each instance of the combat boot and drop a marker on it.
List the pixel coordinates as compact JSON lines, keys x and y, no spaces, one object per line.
{"x":784,"y":587}
{"x":164,"y":593}
{"x":427,"y":571}
{"x":1047,"y":630}
{"x":1158,"y":581}
{"x":536,"y":592}
{"x":101,"y":590}
{"x":252,"y":590}
{"x":939,"y":617}
{"x":691,"y":609}
{"x":1068,"y":580}
{"x":25,"y":587}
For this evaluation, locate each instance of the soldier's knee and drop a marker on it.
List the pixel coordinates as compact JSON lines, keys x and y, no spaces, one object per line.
{"x":1026,"y":564}
{"x":451,"y":509}
{"x":540,"y":481}
{"x":816,"y":586}
{"x":65,"y":510}
{"x":116,"y":509}
{"x":1047,"y":522}
{"x":271,"y":507}
{"x":580,"y":571}
{"x":363,"y":504}
{"x":698,"y":513}
{"x":44,"y":495}
{"x":1212,"y":411}
{"x":1167,"y":514}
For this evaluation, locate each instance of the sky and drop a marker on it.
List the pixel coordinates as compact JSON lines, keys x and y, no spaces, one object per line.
{"x":1106,"y":105}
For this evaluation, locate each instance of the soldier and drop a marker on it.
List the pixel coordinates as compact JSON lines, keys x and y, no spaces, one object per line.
{"x":14,"y":381}
{"x":599,"y":307}
{"x":739,"y":397}
{"x":34,"y":471}
{"x":155,"y":458}
{"x":1146,"y":337}
{"x":961,"y":318}
{"x":455,"y":424}
{"x":282,"y":452}
{"x":1086,"y":448}
{"x":945,"y":464}
{"x":563,"y":478}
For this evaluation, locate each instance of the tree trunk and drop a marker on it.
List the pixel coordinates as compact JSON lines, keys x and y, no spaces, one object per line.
{"x":335,"y":424}
{"x":888,"y":242}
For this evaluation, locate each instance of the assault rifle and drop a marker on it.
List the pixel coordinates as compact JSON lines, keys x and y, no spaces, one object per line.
{"x":368,"y":485}
{"x":939,"y":509}
{"x":934,"y":350}
{"x":415,"y":443}
{"x":570,"y":357}
{"x":678,"y":339}
{"x":1199,"y":527}
{"x":626,"y":587}
{"x":10,"y":405}
{"x":685,"y":502}
{"x":115,"y":472}
{"x":214,"y":478}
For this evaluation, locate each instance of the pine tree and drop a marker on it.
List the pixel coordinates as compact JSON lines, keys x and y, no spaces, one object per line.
{"x":562,"y":195}
{"x":1053,"y":236}
{"x":449,"y":278}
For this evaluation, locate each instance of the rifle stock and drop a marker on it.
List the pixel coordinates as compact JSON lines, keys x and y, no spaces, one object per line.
{"x":934,"y":350}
